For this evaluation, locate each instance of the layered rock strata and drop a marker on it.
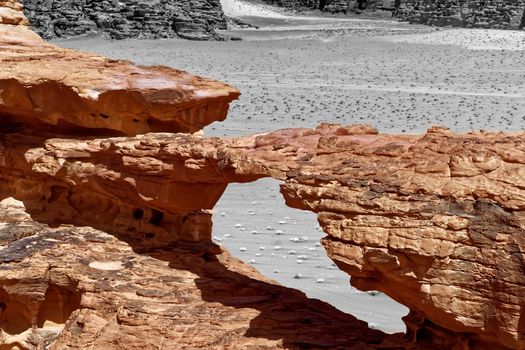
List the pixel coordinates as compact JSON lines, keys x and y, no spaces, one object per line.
{"x":332,"y":6}
{"x":79,"y":288}
{"x":508,"y":14}
{"x":196,"y":19}
{"x":435,"y":220}
{"x":63,"y":90}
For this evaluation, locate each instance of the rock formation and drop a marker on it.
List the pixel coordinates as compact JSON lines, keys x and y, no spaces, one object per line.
{"x":79,"y":288}
{"x":196,"y":19}
{"x":507,"y":14}
{"x":117,"y":250}
{"x":332,"y":6}
{"x":434,"y":221}
{"x":60,"y":89}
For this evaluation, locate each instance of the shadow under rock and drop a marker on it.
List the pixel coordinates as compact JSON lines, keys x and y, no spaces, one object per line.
{"x":285,"y":314}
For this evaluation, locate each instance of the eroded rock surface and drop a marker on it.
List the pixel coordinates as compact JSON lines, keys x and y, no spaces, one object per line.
{"x":435,"y":220}
{"x":506,"y":14}
{"x":64,"y":90}
{"x":196,"y":19}
{"x":79,"y":288}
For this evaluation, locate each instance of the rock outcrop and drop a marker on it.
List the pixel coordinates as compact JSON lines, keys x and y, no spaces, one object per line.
{"x":79,"y":288}
{"x":507,"y":14}
{"x":196,"y":19}
{"x":432,"y":221}
{"x":63,"y":90}
{"x":435,"y":220}
{"x":332,"y":6}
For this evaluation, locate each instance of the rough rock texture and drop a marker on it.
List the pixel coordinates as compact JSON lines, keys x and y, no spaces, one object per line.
{"x":114,"y":184}
{"x":497,"y":14}
{"x":506,"y":14}
{"x":119,"y":19}
{"x":435,"y":221}
{"x":79,"y":288}
{"x":11,"y":13}
{"x":333,"y":6}
{"x":64,"y":90}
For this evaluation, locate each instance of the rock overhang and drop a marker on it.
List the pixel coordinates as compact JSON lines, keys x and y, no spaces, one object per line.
{"x":69,"y":91}
{"x":433,"y":220}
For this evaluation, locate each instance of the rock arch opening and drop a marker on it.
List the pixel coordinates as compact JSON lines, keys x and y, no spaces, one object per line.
{"x":252,"y":222}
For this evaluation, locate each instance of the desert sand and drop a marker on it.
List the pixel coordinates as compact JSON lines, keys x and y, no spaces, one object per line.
{"x":297,"y":70}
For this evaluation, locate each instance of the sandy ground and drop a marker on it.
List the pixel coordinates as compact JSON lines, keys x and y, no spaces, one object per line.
{"x":471,"y":39}
{"x":240,"y":9}
{"x":296,"y":72}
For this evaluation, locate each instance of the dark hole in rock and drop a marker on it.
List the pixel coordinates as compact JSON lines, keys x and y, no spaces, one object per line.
{"x":149,"y":235}
{"x":56,"y":192}
{"x":156,"y":217}
{"x":105,"y":116}
{"x":58,"y":305}
{"x":138,"y":213}
{"x":14,"y":318}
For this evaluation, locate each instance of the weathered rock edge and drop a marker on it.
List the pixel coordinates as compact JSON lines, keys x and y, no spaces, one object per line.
{"x":80,"y":288}
{"x":194,"y":20}
{"x":62,"y":90}
{"x":434,"y":221}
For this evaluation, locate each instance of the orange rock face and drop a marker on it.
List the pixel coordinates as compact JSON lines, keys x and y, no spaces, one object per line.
{"x":435,"y":221}
{"x":68,"y":91}
{"x":79,"y":288}
{"x":11,"y":13}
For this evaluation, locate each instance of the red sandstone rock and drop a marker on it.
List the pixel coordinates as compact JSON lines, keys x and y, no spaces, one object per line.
{"x":65,"y":90}
{"x":435,"y":221}
{"x":79,"y":288}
